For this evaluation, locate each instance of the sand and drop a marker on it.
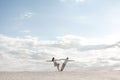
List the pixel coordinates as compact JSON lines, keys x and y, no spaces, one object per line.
{"x":86,"y":75}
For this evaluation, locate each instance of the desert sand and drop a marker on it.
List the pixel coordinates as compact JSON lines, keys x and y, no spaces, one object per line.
{"x":83,"y":75}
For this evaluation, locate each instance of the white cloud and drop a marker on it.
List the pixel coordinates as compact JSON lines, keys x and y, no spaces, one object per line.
{"x":26,"y":15}
{"x":74,"y":1}
{"x":79,"y":1}
{"x":25,"y":31}
{"x":62,"y":0}
{"x":30,"y":53}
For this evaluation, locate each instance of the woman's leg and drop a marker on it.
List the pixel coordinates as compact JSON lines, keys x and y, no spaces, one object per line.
{"x":58,"y":66}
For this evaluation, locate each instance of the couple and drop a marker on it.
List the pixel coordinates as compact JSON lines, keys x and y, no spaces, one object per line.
{"x":58,"y":65}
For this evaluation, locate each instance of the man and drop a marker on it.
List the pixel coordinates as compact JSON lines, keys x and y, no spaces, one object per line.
{"x":64,"y":64}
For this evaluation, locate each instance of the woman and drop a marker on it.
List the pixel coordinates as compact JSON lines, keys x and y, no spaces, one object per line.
{"x":55,"y":63}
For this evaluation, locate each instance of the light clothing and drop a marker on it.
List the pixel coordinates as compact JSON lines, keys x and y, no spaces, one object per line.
{"x":66,"y":60}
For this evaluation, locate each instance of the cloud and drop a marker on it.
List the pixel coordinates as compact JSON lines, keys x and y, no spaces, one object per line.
{"x":26,"y":15}
{"x":83,"y":44}
{"x":74,"y":1}
{"x":62,"y":0}
{"x":30,"y":53}
{"x":25,"y":31}
{"x":79,"y":1}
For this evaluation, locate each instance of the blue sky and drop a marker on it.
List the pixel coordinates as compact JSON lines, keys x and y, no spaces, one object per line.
{"x":48,"y":19}
{"x":32,"y":31}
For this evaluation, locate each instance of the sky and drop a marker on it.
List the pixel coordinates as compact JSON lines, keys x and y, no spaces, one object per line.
{"x":32,"y":31}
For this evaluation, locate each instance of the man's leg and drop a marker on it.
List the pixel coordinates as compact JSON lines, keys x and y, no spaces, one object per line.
{"x":63,"y":66}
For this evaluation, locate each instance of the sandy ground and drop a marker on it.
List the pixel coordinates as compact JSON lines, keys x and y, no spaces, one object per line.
{"x":91,"y":75}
